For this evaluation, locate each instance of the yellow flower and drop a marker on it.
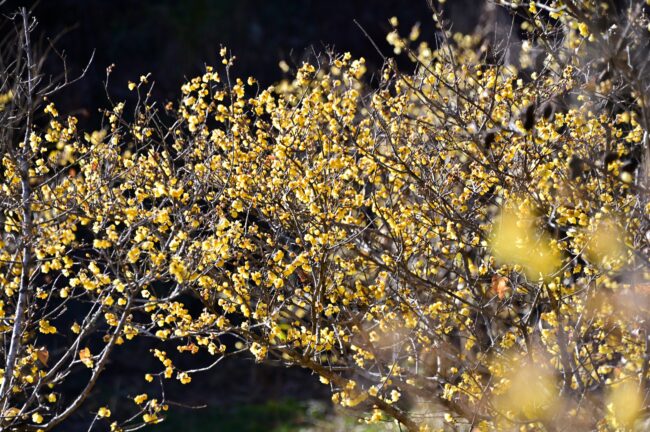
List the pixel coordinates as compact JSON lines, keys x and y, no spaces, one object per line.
{"x":86,"y":358}
{"x":101,"y":244}
{"x":50,"y":109}
{"x":178,"y":270}
{"x":184,"y":378}
{"x":150,"y":418}
{"x":583,"y":29}
{"x":46,"y":328}
{"x":37,"y":418}
{"x":133,"y":255}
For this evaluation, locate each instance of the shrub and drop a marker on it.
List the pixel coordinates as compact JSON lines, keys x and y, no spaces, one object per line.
{"x":463,"y":243}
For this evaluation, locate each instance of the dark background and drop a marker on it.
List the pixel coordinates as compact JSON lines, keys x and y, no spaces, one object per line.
{"x":173,"y":40}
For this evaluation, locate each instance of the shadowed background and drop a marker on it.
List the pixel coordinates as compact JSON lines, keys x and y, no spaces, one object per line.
{"x":174,"y":39}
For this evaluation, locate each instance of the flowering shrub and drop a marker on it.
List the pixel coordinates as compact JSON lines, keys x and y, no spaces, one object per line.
{"x":464,"y":246}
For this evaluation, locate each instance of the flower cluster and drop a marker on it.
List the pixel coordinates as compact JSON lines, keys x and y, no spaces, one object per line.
{"x":464,"y":239}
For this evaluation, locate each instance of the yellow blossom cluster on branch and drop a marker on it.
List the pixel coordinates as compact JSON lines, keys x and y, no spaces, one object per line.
{"x":463,"y":239}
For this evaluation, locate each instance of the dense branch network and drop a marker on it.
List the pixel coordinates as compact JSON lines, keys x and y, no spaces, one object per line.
{"x":460,"y":246}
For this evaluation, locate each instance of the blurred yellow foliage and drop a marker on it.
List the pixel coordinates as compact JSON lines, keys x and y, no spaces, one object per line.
{"x":517,"y":240}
